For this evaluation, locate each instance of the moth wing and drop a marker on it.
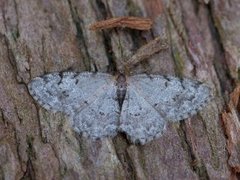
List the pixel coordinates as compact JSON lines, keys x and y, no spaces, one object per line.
{"x":172,"y":97}
{"x":139,"y":120}
{"x":152,"y":100}
{"x":68,"y":91}
{"x":100,"y":119}
{"x":88,"y":98}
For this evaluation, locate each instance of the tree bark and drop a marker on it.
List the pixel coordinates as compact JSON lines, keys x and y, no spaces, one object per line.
{"x":37,"y":37}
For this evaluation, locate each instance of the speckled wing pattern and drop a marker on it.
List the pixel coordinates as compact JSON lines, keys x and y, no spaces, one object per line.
{"x":89,"y":99}
{"x":151,"y":100}
{"x":139,"y":120}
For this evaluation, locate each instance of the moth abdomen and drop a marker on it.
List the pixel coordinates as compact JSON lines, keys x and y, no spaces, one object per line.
{"x":121,"y":89}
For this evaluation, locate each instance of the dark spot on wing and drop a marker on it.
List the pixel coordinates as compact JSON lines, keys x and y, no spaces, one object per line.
{"x":76,"y":82}
{"x":150,"y":77}
{"x":166,"y":77}
{"x":181,"y":82}
{"x":206,"y":101}
{"x":49,"y":92}
{"x":46,"y":78}
{"x":196,"y":84}
{"x":191,"y":98}
{"x":101,"y":113}
{"x":65,"y":93}
{"x":137,"y":114}
{"x":75,"y":75}
{"x":61,"y":76}
{"x":176,"y":97}
{"x":166,"y":84}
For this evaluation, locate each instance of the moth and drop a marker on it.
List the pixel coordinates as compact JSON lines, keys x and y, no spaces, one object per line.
{"x":100,"y":105}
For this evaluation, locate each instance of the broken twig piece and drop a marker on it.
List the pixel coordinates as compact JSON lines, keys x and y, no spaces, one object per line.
{"x":156,"y":45}
{"x":129,"y":22}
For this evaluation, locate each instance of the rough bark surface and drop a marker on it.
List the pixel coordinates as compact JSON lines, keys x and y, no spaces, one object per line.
{"x":43,"y":36}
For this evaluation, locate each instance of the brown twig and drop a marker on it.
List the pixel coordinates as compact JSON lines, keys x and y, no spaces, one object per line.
{"x":146,"y":51}
{"x":129,"y":22}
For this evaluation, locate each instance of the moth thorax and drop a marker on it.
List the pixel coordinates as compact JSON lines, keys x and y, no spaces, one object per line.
{"x":121,"y":88}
